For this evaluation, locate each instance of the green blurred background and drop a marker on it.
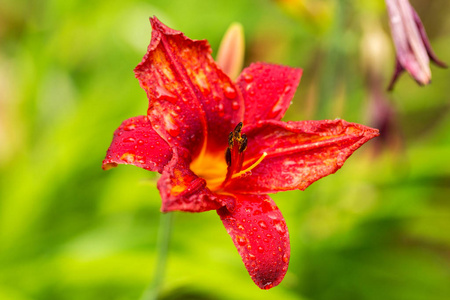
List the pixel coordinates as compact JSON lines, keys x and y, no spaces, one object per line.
{"x":378,"y":229}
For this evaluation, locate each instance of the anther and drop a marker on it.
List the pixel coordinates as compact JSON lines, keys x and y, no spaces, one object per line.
{"x":243,"y":145}
{"x":230,"y":139}
{"x":228,"y":156}
{"x":238,"y":127}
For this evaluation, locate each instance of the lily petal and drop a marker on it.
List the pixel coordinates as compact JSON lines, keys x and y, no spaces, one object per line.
{"x":193,"y":104}
{"x":298,"y":153}
{"x":182,"y":190}
{"x":267,"y":90}
{"x":426,"y":41}
{"x":260,"y":235}
{"x":136,"y":143}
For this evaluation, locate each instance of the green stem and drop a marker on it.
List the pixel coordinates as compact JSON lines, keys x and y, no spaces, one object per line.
{"x":165,"y":227}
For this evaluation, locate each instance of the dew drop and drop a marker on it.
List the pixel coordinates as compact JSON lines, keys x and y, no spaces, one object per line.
{"x":285,"y":258}
{"x":140,"y":142}
{"x":249,"y":247}
{"x":220,"y":110}
{"x":162,"y":93}
{"x":234,"y":105}
{"x":171,"y":126}
{"x":279,"y":227}
{"x":128,"y":157}
{"x":262,"y":224}
{"x":216,"y":97}
{"x":230,"y":92}
{"x":251,"y":256}
{"x":260,"y":249}
{"x":129,"y":127}
{"x":129,"y":140}
{"x":248,"y":77}
{"x":140,"y":159}
{"x":241,"y":240}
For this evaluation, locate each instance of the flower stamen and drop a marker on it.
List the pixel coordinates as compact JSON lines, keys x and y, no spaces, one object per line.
{"x":251,"y":167}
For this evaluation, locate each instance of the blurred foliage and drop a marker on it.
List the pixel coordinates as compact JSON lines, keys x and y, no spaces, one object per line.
{"x":378,"y":229}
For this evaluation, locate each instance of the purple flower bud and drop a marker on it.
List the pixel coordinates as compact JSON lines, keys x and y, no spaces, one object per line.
{"x":411,"y":43}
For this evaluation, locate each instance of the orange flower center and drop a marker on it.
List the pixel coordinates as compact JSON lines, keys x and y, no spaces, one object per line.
{"x":218,"y":170}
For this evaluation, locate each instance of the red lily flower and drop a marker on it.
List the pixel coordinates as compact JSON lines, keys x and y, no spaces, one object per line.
{"x":220,"y":145}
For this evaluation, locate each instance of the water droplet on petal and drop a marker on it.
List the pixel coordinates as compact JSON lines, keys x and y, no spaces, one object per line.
{"x":241,"y":240}
{"x":129,"y":140}
{"x":285,"y":258}
{"x":128,"y":157}
{"x":171,"y":125}
{"x":162,"y":93}
{"x":260,"y":249}
{"x":234,"y":105}
{"x":248,"y":77}
{"x":251,"y":256}
{"x":256,"y":212}
{"x":220,"y":110}
{"x":230,"y":92}
{"x":140,"y":159}
{"x":279,"y":227}
{"x":262,"y":224}
{"x":129,"y":127}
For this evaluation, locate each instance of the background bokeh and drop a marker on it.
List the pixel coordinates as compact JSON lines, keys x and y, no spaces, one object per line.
{"x":377,"y":229}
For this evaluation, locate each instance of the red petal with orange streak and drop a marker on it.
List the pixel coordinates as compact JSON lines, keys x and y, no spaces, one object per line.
{"x":267,"y":90}
{"x":261,"y":237}
{"x":298,"y":153}
{"x":136,"y":143}
{"x":191,"y":100}
{"x":182,"y":190}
